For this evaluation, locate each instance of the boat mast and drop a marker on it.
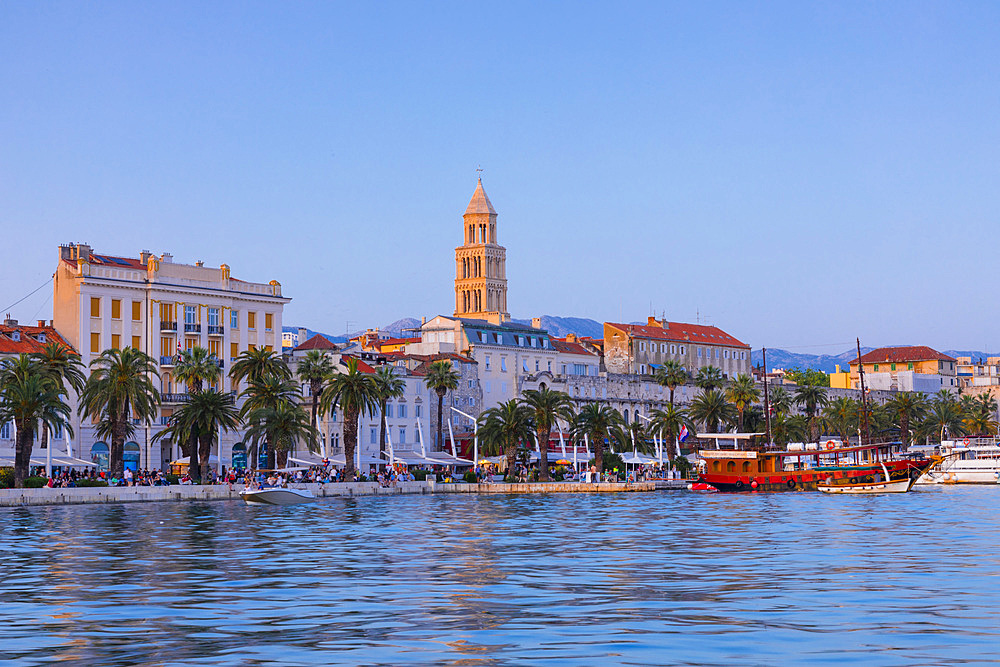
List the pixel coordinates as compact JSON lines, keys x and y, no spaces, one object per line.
{"x":767,"y":401}
{"x":864,"y":399}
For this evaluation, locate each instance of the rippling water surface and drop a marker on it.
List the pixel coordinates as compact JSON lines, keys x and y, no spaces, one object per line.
{"x":638,"y":578}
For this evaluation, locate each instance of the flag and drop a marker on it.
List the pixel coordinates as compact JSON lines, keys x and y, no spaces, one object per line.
{"x":683,"y":435}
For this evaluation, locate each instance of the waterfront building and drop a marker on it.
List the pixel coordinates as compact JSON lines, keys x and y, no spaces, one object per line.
{"x":638,"y":349}
{"x":160,"y":306}
{"x":978,"y":372}
{"x":904,"y":368}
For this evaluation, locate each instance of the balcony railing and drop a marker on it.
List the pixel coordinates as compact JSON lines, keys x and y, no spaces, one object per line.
{"x":182,"y":398}
{"x":192,"y":327}
{"x":166,"y":327}
{"x":167,"y":361}
{"x":215,"y":330}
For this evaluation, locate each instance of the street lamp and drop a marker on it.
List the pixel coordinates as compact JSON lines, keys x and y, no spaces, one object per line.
{"x":475,"y":435}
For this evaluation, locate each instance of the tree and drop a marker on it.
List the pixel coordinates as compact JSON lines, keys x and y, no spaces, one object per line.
{"x":979,"y":415}
{"x":742,"y":392}
{"x":944,"y":416}
{"x":257,"y":364}
{"x":709,"y":378}
{"x":812,"y":399}
{"x":120,"y":387}
{"x":671,"y":420}
{"x":355,"y":392}
{"x":63,"y":365}
{"x":194,"y":367}
{"x":595,"y":422}
{"x":200,"y":419}
{"x":389,"y":386}
{"x":547,"y":408}
{"x":30,"y":397}
{"x":780,"y":400}
{"x":503,"y":428}
{"x":808,"y":376}
{"x":788,"y":428}
{"x":315,"y":369}
{"x":441,"y":378}
{"x":906,"y":408}
{"x":269,"y":392}
{"x":712,"y":409}
{"x":841,"y":415}
{"x":670,"y":375}
{"x":282,"y":426}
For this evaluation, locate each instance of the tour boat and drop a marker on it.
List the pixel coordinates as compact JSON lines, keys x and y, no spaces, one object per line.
{"x":968,"y":461}
{"x":276,"y":496}
{"x":834,"y":465}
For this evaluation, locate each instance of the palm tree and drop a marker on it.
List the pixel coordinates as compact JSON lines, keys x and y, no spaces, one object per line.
{"x":257,"y":364}
{"x":120,"y":387}
{"x":269,"y":392}
{"x":200,"y":419}
{"x":389,"y":386}
{"x":906,"y":408}
{"x":62,"y":364}
{"x":671,"y":420}
{"x":29,"y":396}
{"x":709,"y":378}
{"x":742,"y":392}
{"x":785,"y":428}
{"x":670,"y":375}
{"x":282,"y":426}
{"x":503,"y":428}
{"x":712,"y":409}
{"x":547,"y":408}
{"x":194,"y":367}
{"x":315,"y":369}
{"x":944,"y":415}
{"x":355,"y":392}
{"x":841,"y":415}
{"x":780,"y":400}
{"x":441,"y":378}
{"x":812,"y":399}
{"x":597,"y":422}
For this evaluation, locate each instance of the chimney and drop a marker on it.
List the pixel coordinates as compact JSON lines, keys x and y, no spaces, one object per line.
{"x":166,"y":258}
{"x":66,"y":252}
{"x":423,"y":320}
{"x":653,"y":322}
{"x":536,"y":323}
{"x":199,"y":263}
{"x":837,"y":366}
{"x":144,"y":257}
{"x":571,"y":338}
{"x":302,"y":335}
{"x":8,"y":322}
{"x":83,"y":252}
{"x":41,"y":323}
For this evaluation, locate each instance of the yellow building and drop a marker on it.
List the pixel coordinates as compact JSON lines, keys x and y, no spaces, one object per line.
{"x":904,"y":368}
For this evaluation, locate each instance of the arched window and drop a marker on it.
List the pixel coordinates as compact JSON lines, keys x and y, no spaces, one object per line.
{"x":131,"y":456}
{"x":625,"y":415}
{"x":100,"y":454}
{"x":716,"y":466}
{"x":730,"y":466}
{"x":746,"y":466}
{"x":239,"y":455}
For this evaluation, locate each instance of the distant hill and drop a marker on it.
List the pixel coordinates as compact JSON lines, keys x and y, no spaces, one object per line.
{"x":560,"y":326}
{"x":310,"y":333}
{"x":827,"y":363}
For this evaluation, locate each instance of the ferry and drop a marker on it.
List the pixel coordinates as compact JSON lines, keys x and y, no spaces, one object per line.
{"x":757,"y":467}
{"x":968,"y":461}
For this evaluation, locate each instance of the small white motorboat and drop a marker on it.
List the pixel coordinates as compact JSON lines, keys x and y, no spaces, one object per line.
{"x":890,"y":486}
{"x":276,"y":496}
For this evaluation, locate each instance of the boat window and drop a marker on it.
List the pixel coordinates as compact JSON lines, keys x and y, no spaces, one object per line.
{"x":716,"y":466}
{"x":746,"y":466}
{"x":731,"y":466}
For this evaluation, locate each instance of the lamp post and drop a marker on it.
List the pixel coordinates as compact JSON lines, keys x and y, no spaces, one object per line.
{"x":475,"y":435}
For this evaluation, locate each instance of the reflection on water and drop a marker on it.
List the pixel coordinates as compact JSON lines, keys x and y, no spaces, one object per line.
{"x":661,"y":578}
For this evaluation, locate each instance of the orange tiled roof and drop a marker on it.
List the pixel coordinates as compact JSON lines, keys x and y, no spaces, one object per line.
{"x":570,"y":348}
{"x":682,"y":333}
{"x":317,"y":342}
{"x":903,"y":354}
{"x":29,"y":342}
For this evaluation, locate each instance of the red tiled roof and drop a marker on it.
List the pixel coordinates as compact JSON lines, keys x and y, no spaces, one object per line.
{"x":317,"y":342}
{"x":570,"y":348}
{"x":363,"y":366}
{"x":29,"y":339}
{"x":907,"y":353}
{"x":682,"y":333}
{"x":431,"y":358}
{"x":397,"y":341}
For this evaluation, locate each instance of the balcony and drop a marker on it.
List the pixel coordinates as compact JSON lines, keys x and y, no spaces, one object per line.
{"x":168,"y":327}
{"x":173,"y":398}
{"x":216,"y":330}
{"x":167,"y":361}
{"x":192,"y":327}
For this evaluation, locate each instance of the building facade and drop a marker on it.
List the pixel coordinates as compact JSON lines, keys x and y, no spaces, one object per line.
{"x":906,"y":368}
{"x":160,"y":306}
{"x":481,"y":264}
{"x":638,"y":349}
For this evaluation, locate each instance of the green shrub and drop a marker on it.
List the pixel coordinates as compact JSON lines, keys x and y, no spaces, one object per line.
{"x":611,"y":462}
{"x":90,"y":482}
{"x":6,"y":478}
{"x":470,"y":477}
{"x":173,"y":479}
{"x":35,"y":482}
{"x":419,"y":475}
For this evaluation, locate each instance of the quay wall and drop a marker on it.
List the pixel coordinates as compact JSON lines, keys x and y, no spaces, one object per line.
{"x":91,"y":495}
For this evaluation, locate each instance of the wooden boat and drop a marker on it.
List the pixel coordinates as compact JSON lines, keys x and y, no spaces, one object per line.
{"x":878,"y":485}
{"x":759,"y":468}
{"x":276,"y":496}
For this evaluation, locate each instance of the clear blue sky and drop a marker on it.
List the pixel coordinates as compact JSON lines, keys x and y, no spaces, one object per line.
{"x":799,"y":174}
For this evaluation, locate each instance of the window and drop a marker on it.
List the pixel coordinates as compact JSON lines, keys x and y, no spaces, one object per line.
{"x":503,"y":364}
{"x":642,"y":369}
{"x":487,"y":359}
{"x":234,"y":319}
{"x":642,"y":346}
{"x":681,"y":349}
{"x":537,"y":364}
{"x":548,"y":366}
{"x":489,"y":386}
{"x":234,"y":350}
{"x":95,"y":306}
{"x":213,"y":348}
{"x":166,"y":346}
{"x":190,"y":315}
{"x":116,"y":309}
{"x":579,"y":369}
{"x":136,"y":342}
{"x":5,"y":431}
{"x":401,"y":411}
{"x":95,"y":343}
{"x":251,"y":320}
{"x":416,"y":411}
{"x":402,"y":436}
{"x":524,"y":365}
{"x":909,"y":367}
{"x":472,"y":383}
{"x":268,"y":321}
{"x":374,"y":435}
{"x":892,"y":367}
{"x":269,"y":348}
{"x":136,"y":311}
{"x":503,"y":388}
{"x":876,"y":367}
{"x":213,"y":317}
{"x":699,"y":351}
{"x":388,"y":410}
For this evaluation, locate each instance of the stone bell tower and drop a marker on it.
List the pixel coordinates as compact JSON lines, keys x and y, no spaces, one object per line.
{"x":481,"y":264}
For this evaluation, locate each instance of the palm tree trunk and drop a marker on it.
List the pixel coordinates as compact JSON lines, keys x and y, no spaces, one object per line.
{"x":740,"y":426}
{"x":192,"y":453}
{"x":204,"y":455}
{"x":599,"y":454}
{"x":543,"y":455}
{"x":272,"y":456}
{"x":350,"y":442}
{"x":45,"y":436}
{"x":118,"y":445}
{"x":671,"y":396}
{"x":22,"y":452}
{"x":511,"y":453}
{"x":904,"y":430}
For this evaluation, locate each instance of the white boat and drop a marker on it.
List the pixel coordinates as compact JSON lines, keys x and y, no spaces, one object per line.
{"x":276,"y":496}
{"x":968,"y":461}
{"x":890,"y":486}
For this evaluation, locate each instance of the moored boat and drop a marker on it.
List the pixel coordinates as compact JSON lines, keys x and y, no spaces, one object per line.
{"x":968,"y":461}
{"x":879,"y":484}
{"x":276,"y":496}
